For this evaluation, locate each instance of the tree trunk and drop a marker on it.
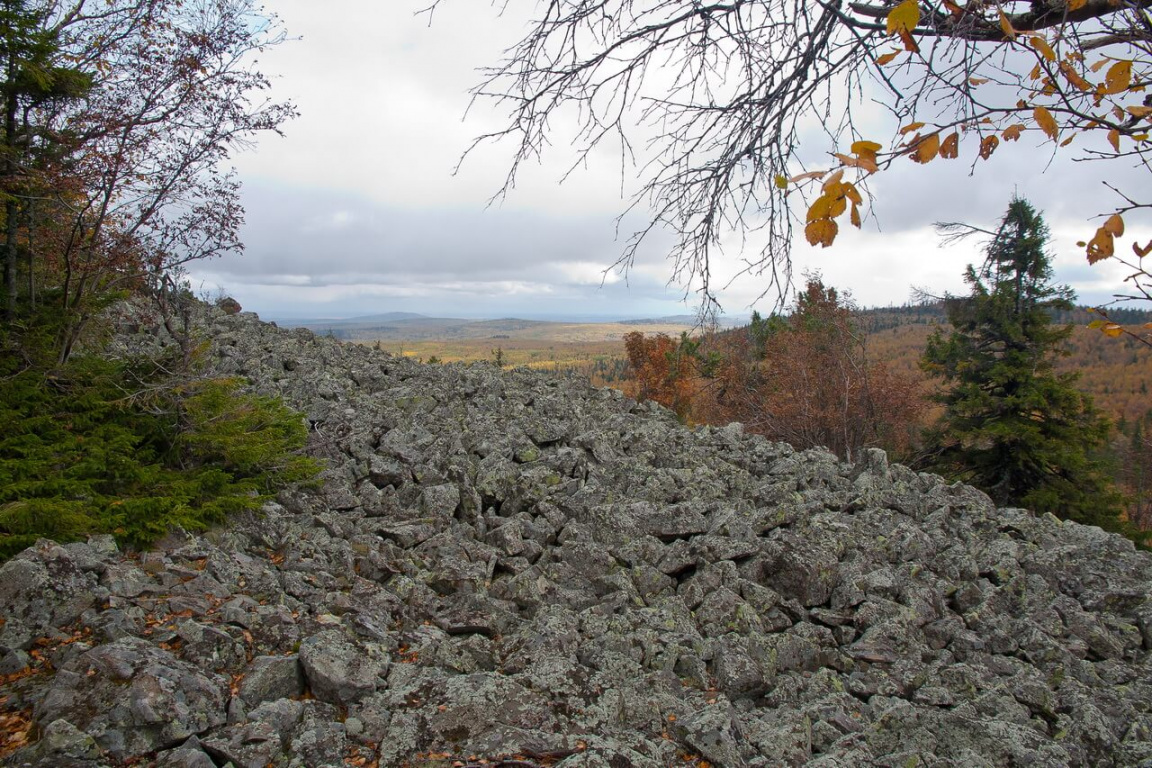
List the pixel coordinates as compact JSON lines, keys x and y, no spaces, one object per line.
{"x":11,"y":104}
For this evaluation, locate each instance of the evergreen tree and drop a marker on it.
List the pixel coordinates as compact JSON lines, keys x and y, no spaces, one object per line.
{"x":1012,"y":426}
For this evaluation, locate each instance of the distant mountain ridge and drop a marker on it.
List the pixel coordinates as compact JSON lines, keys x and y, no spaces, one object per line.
{"x":875,"y":319}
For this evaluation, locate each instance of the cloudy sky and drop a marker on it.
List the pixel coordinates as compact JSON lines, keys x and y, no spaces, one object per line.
{"x":357,"y":211}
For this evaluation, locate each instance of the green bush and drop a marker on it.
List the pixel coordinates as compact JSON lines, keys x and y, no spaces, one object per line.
{"x":103,"y":447}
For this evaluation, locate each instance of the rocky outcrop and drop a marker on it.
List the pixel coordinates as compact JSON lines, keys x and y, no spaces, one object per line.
{"x":514,"y":564}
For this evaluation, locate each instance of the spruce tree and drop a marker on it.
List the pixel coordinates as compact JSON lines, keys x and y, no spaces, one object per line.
{"x":1012,"y":426}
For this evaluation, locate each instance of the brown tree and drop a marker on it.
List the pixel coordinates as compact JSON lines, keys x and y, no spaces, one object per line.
{"x":662,"y":370}
{"x":808,"y":382}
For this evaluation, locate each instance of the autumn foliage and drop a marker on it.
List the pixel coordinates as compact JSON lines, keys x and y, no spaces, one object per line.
{"x":805,"y":379}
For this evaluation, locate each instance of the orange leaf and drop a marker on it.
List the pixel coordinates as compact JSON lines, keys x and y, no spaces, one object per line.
{"x":887,"y":58}
{"x":1142,"y":252}
{"x":821,"y":232}
{"x":950,"y":147}
{"x":1046,"y":122}
{"x":910,"y":127}
{"x":1075,"y":5}
{"x":1114,"y":139}
{"x":1119,"y":77}
{"x":988,"y":145}
{"x":1006,"y":26}
{"x":1074,"y":77}
{"x":1114,"y":225}
{"x":909,"y":41}
{"x":925,"y":150}
{"x":855,"y":217}
{"x":1040,"y":44}
{"x":1140,"y":111}
{"x":1012,"y":132}
{"x":977,"y":80}
{"x":1101,"y":246}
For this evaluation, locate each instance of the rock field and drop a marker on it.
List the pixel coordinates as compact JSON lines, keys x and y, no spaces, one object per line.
{"x":520,"y":569}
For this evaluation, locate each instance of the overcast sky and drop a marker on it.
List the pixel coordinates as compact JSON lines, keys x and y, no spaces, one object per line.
{"x":356,"y":210}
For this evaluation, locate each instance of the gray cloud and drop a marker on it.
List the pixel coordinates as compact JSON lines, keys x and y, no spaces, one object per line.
{"x":357,"y":210}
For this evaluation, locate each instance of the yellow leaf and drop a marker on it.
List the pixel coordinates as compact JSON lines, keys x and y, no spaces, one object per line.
{"x":1114,"y":139}
{"x":855,"y":215}
{"x":1140,"y":111}
{"x":836,"y":206}
{"x":1068,"y":140}
{"x":819,"y":208}
{"x":1046,"y":122}
{"x":853,"y":194}
{"x":1040,"y":44}
{"x":821,"y":232}
{"x":1006,"y":26}
{"x":926,"y":149}
{"x":904,"y":17}
{"x":1119,"y":77}
{"x":910,"y":127}
{"x":1114,"y":225}
{"x":887,"y":58}
{"x":950,"y":147}
{"x":781,"y":181}
{"x":1112,"y":330}
{"x":988,"y":145}
{"x":865,"y":147}
{"x":1012,"y":132}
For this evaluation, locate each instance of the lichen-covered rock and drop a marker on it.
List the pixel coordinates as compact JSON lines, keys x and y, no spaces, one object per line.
{"x":133,"y":697}
{"x":269,"y":678}
{"x":340,"y":671}
{"x":505,"y":563}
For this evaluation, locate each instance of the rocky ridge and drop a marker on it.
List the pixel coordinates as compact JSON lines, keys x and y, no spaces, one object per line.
{"x":511,"y":566}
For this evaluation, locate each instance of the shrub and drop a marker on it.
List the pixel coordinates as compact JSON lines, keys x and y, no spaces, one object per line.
{"x":104,"y":447}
